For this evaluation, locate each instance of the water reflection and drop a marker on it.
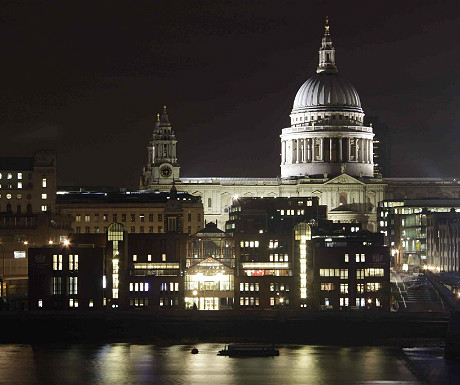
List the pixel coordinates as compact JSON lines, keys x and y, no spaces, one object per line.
{"x":142,"y":364}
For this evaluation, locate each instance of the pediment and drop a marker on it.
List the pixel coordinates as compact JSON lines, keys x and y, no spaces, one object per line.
{"x":344,"y":179}
{"x":209,"y":264}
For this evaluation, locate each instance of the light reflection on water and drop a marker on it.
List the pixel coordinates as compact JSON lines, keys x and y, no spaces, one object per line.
{"x":148,"y":364}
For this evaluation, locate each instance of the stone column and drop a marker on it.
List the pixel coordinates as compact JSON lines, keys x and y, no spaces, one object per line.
{"x":371,"y":150}
{"x":356,"y":150}
{"x":330,"y":149}
{"x":299,"y":152}
{"x":321,"y":149}
{"x":363,"y":160}
{"x":308,"y":150}
{"x":340,"y":150}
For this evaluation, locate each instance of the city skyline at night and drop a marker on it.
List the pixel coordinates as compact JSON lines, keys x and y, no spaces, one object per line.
{"x":89,"y":83}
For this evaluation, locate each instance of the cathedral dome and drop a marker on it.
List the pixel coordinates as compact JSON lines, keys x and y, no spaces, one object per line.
{"x":327,"y":89}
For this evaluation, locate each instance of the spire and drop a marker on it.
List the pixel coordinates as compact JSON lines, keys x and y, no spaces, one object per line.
{"x":327,"y":52}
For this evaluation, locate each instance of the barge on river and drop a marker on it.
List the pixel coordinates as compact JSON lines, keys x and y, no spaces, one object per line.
{"x":249,"y":350}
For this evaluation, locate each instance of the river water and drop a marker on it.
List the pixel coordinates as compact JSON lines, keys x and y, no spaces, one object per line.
{"x":148,"y":364}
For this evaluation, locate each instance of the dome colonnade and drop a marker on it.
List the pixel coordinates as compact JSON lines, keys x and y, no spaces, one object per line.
{"x":327,"y":134}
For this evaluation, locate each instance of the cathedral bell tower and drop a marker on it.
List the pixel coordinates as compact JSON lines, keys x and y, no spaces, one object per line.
{"x":162,"y":166}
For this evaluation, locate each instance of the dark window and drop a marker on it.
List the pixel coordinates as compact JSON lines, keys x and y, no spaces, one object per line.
{"x":133,"y":217}
{"x":150,"y":217}
{"x":19,"y":209}
{"x":123,"y":217}
{"x":160,"y":217}
{"x":189,"y":217}
{"x":114,"y":217}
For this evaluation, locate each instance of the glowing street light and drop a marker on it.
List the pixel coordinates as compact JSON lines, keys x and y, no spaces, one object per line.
{"x":66,"y":242}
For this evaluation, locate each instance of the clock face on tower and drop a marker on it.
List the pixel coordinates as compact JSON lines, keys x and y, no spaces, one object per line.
{"x":165,"y":171}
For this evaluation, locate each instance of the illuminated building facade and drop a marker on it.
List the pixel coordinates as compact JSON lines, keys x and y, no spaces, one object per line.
{"x":351,"y":271}
{"x":210,"y":270}
{"x":443,"y":241}
{"x":115,"y":270}
{"x":140,"y":212}
{"x":326,"y":152}
{"x":27,"y":198}
{"x":404,"y":225}
{"x":271,"y":237}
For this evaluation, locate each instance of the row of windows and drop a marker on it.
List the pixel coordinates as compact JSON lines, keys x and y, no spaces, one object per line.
{"x":149,"y":257}
{"x":138,"y":286}
{"x":249,"y":301}
{"x":138,"y":302}
{"x":370,"y":287}
{"x":360,"y":302}
{"x":342,"y":273}
{"x":360,"y":273}
{"x":73,"y":262}
{"x":273,"y":244}
{"x":249,"y":286}
{"x":9,"y":176}
{"x":72,"y":285}
{"x":142,"y":229}
{"x":358,"y":258}
{"x":169,"y":302}
{"x":9,"y":208}
{"x":279,"y":257}
{"x":249,"y":244}
{"x":274,"y":286}
{"x":171,"y":286}
{"x":105,"y":217}
{"x":275,"y":301}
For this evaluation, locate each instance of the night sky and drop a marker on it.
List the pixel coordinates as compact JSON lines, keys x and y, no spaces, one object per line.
{"x":86,"y":78}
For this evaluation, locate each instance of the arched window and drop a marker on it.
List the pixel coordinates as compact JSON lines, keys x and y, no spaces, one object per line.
{"x":209,"y":202}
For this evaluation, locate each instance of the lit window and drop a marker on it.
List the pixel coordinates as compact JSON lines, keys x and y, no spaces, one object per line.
{"x":176,"y":286}
{"x":241,"y":286}
{"x":343,"y":273}
{"x":149,"y":257}
{"x":163,"y":257}
{"x":357,"y":257}
{"x":44,"y":208}
{"x":78,"y":218}
{"x":363,"y":257}
{"x":87,"y":218}
{"x":57,"y":262}
{"x":256,"y":243}
{"x":136,"y":286}
{"x":44,"y":196}
{"x":347,"y":259}
{"x":171,"y":286}
{"x":131,"y":286}
{"x":73,"y":285}
{"x":91,"y":303}
{"x":344,"y":288}
{"x":40,"y":303}
{"x":9,"y":176}
{"x":146,"y":286}
{"x":19,"y":184}
{"x":134,"y":257}
{"x":43,"y":182}
{"x":141,"y":286}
